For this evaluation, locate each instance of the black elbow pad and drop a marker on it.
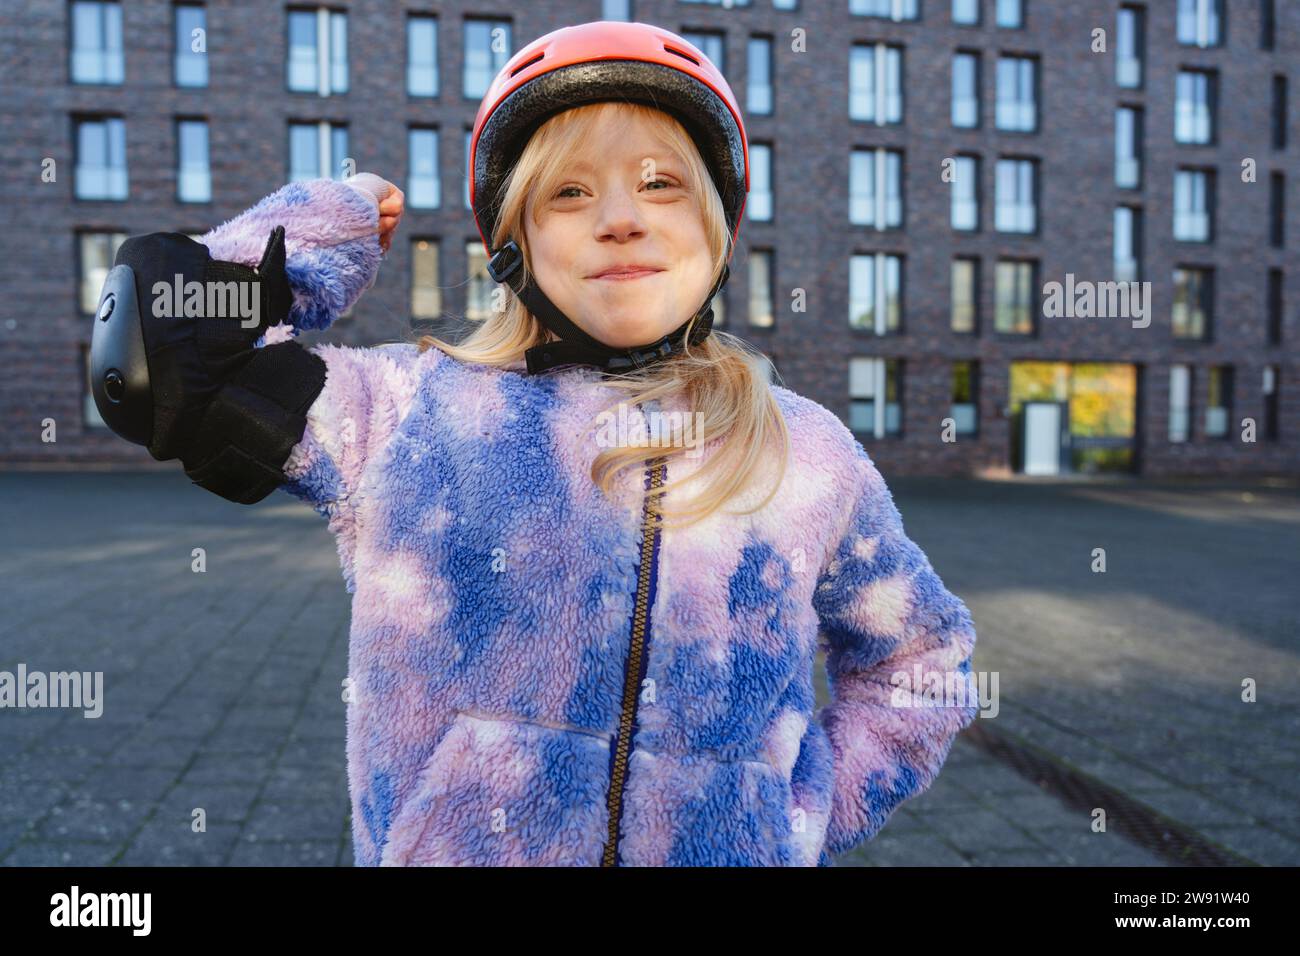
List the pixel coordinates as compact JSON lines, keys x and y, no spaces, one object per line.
{"x":173,"y":367}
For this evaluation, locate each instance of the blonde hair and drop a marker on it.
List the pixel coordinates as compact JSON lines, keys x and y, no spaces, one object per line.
{"x":719,"y":377}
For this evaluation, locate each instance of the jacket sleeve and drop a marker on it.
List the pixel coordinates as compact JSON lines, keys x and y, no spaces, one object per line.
{"x":331,"y":238}
{"x":332,"y":258}
{"x":898,"y":662}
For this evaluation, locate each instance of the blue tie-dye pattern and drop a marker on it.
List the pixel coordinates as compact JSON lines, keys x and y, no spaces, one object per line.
{"x":880,"y":798}
{"x":377,"y":809}
{"x":320,"y":486}
{"x":295,"y":194}
{"x":481,"y":602}
{"x":731,"y":828}
{"x":561,"y":787}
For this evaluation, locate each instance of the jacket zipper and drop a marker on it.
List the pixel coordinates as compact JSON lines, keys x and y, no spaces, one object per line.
{"x":634,"y":672}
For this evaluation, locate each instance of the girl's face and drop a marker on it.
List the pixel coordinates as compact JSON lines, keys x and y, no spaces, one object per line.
{"x":625,"y":203}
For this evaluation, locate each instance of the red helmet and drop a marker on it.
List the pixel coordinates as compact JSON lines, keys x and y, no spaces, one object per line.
{"x":607,"y":60}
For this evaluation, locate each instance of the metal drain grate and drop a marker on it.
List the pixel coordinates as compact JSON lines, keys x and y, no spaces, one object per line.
{"x":1168,"y":839}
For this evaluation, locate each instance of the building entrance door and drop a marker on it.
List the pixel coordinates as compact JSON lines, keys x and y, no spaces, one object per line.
{"x":1042,"y":438}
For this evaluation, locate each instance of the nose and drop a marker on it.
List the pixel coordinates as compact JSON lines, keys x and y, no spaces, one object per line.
{"x":619,"y":217}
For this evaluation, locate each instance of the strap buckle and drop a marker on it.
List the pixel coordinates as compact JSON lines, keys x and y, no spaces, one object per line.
{"x":640,"y":358}
{"x":505,"y":262}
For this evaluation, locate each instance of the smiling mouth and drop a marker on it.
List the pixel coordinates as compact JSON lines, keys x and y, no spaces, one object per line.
{"x":625,"y":275}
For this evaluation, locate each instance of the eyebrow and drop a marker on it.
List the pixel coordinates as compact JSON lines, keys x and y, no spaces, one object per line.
{"x":663,"y":158}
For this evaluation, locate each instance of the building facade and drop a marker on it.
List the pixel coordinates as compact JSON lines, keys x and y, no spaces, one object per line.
{"x":992,"y":235}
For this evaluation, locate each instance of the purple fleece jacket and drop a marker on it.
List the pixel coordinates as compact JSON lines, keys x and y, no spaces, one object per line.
{"x":495,"y":612}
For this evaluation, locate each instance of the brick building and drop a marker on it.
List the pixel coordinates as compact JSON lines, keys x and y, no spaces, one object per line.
{"x":923,"y":172}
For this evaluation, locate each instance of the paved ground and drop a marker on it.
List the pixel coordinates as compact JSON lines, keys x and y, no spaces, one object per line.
{"x":227,"y":685}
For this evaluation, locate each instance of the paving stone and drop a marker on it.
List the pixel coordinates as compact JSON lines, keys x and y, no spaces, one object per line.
{"x":161,"y":843}
{"x":47,"y":852}
{"x":300,"y":820}
{"x":282,"y":853}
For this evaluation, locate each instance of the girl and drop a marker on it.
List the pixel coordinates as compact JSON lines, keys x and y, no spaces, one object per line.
{"x":591,"y":550}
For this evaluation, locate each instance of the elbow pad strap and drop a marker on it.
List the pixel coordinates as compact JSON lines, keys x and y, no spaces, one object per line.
{"x":253,"y":423}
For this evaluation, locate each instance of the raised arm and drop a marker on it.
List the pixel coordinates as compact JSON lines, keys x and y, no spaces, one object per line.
{"x":181,"y":358}
{"x":332,"y":250}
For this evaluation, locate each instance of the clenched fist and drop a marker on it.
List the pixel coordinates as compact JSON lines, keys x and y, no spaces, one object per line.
{"x":390,"y":199}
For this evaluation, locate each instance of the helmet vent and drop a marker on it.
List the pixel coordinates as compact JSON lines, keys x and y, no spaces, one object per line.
{"x":523,"y":66}
{"x":682,"y":53}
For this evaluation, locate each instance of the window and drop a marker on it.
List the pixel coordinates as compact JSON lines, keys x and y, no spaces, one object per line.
{"x":1193,"y":205}
{"x":1218,"y":406}
{"x":1274,"y":306}
{"x":965,"y":211}
{"x":760,"y":288}
{"x":1270,"y":402}
{"x":487,"y":48}
{"x":965,"y":296}
{"x":760,"y":75}
{"x":96,"y":252}
{"x":1199,"y":22}
{"x":478,"y":305}
{"x":193,"y":174}
{"x":317,"y":151}
{"x":875,"y":396}
{"x":1267,"y":24}
{"x":423,"y":187}
{"x":1277,"y":209}
{"x":719,"y":305}
{"x":1017,"y":107}
{"x":1016,"y":205}
{"x":426,"y":292}
{"x":1194,"y":98}
{"x":1013,"y":306}
{"x":1279,"y":111}
{"x":876,"y":83}
{"x":1128,"y":147}
{"x":876,"y":292}
{"x":965,"y":90}
{"x":1011,"y":14}
{"x":876,"y":188}
{"x":711,"y":44}
{"x":760,"y":204}
{"x":616,"y":10}
{"x":96,"y":47}
{"x":1130,"y":40}
{"x":1193,"y":295}
{"x":1180,"y":402}
{"x":889,"y":9}
{"x":469,"y":145}
{"x":318,"y":51}
{"x":101,"y":159}
{"x":966,"y":12}
{"x":191,"y":58}
{"x":785,"y":4}
{"x":965,"y":401}
{"x":1127,"y":242}
{"x":421,"y":55}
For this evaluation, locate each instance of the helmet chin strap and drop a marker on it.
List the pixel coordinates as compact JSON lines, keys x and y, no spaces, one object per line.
{"x":577,"y":347}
